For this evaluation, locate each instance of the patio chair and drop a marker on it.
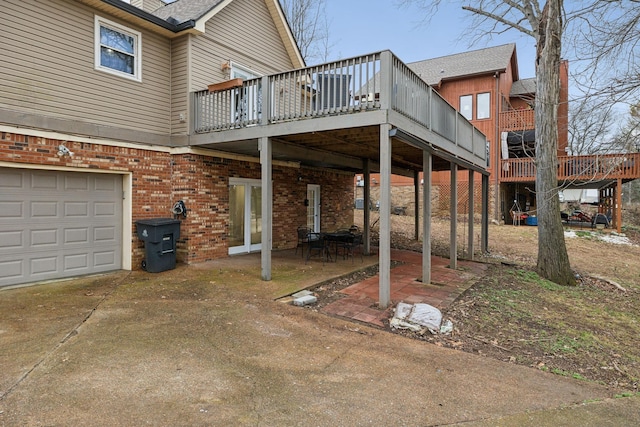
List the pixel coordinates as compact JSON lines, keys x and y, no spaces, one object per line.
{"x":342,"y":241}
{"x":351,"y":246}
{"x":303,"y":235}
{"x":317,"y":245}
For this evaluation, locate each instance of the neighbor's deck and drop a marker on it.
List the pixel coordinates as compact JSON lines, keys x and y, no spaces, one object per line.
{"x":576,"y":168}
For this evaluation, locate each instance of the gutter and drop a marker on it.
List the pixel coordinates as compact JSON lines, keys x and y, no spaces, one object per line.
{"x":142,"y":14}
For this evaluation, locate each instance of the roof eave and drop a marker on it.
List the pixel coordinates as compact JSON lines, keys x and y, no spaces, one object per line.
{"x":141,"y":17}
{"x":478,"y":74}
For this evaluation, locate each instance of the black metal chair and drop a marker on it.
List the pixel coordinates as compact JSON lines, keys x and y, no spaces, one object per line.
{"x":352,"y":245}
{"x":303,"y":236}
{"x":342,"y":239}
{"x":317,"y":245}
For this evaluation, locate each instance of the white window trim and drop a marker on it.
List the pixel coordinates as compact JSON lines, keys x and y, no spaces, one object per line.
{"x":137,"y":56}
{"x":244,"y":70}
{"x":478,"y":95}
{"x":470,"y":96}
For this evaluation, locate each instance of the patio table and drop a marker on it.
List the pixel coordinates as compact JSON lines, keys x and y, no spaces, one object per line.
{"x":336,"y":238}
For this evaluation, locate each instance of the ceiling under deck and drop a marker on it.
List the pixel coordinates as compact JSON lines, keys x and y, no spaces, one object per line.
{"x":342,"y":149}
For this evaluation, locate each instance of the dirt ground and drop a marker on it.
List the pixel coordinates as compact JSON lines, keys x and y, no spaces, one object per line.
{"x":588,"y":332}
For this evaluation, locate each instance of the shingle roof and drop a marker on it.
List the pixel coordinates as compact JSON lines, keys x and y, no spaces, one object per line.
{"x":523,"y":87}
{"x":186,"y":10}
{"x":481,"y":61}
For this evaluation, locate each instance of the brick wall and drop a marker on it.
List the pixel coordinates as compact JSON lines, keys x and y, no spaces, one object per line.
{"x":160,"y":179}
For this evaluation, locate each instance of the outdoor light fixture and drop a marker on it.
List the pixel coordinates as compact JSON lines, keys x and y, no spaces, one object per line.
{"x":64,"y":151}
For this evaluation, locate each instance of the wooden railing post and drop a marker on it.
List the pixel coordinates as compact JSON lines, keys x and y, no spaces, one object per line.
{"x":386,"y":80}
{"x":265,"y":89}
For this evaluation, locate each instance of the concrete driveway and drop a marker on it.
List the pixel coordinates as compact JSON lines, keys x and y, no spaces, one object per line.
{"x":210,"y":345}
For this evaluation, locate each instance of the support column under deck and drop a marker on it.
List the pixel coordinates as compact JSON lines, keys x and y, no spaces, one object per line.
{"x":453,"y":213}
{"x":384,"y":291}
{"x":427,"y":169}
{"x":618,"y":206}
{"x":266,"y":161}
{"x":484,"y":225}
{"x":367,"y":212}
{"x":416,"y":203}
{"x":471,"y":215}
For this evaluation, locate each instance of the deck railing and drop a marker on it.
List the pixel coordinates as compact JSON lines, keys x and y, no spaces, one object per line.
{"x":341,"y":87}
{"x":360,"y":84}
{"x":517,"y":120}
{"x":578,"y":168}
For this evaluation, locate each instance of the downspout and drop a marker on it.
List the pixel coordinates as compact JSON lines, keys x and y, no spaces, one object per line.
{"x":496,"y":213}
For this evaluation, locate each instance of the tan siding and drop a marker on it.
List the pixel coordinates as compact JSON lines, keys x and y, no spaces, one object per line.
{"x":244,"y":33}
{"x":180,"y":84}
{"x":48,"y":69}
{"x":148,"y":5}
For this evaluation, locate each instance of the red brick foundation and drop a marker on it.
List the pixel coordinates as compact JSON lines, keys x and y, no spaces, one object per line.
{"x":159,"y":179}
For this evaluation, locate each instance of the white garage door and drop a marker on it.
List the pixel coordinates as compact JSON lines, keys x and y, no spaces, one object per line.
{"x":57,"y":224}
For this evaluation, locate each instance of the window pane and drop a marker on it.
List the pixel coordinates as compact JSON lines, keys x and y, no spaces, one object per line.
{"x":236,"y":215}
{"x":466,"y":106}
{"x":484,"y":106}
{"x":116,"y":60}
{"x":116,"y":40}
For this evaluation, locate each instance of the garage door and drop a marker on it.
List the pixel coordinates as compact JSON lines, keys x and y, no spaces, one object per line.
{"x":57,"y":224}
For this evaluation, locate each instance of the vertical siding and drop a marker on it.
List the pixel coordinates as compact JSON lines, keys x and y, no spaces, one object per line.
{"x":244,"y":33}
{"x":48,"y":69}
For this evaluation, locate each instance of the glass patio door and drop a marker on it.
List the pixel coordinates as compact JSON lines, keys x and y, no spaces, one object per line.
{"x":245,"y":215}
{"x":313,"y":207}
{"x":247,"y":100}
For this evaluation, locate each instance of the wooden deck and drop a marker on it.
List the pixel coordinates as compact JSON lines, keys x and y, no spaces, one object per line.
{"x":337,"y":108}
{"x":576,"y":168}
{"x":517,"y":120}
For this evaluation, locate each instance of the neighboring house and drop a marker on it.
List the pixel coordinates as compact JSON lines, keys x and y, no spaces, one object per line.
{"x":112,"y":111}
{"x":485,"y":86}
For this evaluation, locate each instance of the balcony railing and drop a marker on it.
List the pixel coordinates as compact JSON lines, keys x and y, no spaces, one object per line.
{"x":517,"y":120}
{"x":351,"y":86}
{"x":576,"y":168}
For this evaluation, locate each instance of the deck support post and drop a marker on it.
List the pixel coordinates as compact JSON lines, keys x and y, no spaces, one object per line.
{"x":484,"y":225}
{"x":427,"y":168}
{"x":367,"y":211}
{"x":471,"y":215}
{"x":416,"y":203}
{"x":453,"y":214}
{"x":384,"y":291}
{"x":618,"y":205}
{"x":266,"y":161}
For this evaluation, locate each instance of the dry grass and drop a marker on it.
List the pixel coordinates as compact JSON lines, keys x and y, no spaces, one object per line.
{"x":588,"y":332}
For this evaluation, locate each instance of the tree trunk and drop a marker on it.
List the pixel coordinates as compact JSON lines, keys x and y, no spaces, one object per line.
{"x":553,"y":261}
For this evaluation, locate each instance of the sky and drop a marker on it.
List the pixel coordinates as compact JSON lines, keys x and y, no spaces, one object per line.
{"x":359,"y":27}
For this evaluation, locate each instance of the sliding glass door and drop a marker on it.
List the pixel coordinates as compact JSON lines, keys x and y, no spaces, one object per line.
{"x":245,"y":215}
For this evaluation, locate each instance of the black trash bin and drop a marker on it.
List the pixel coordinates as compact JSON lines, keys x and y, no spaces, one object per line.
{"x":159,"y":236}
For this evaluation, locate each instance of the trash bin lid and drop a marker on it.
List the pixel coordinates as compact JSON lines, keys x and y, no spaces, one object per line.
{"x":156,"y":222}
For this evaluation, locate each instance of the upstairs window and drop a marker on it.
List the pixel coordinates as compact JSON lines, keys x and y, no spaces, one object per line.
{"x":483,"y":106}
{"x":466,"y":106}
{"x":117,"y":49}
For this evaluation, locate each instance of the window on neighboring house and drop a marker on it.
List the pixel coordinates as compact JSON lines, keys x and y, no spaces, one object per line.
{"x":117,"y":49}
{"x":466,"y":106}
{"x":483,"y":106}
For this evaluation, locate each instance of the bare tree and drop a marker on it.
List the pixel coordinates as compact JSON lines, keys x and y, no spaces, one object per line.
{"x":591,"y":127}
{"x":310,"y":27}
{"x":605,"y":37}
{"x":545,"y":25}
